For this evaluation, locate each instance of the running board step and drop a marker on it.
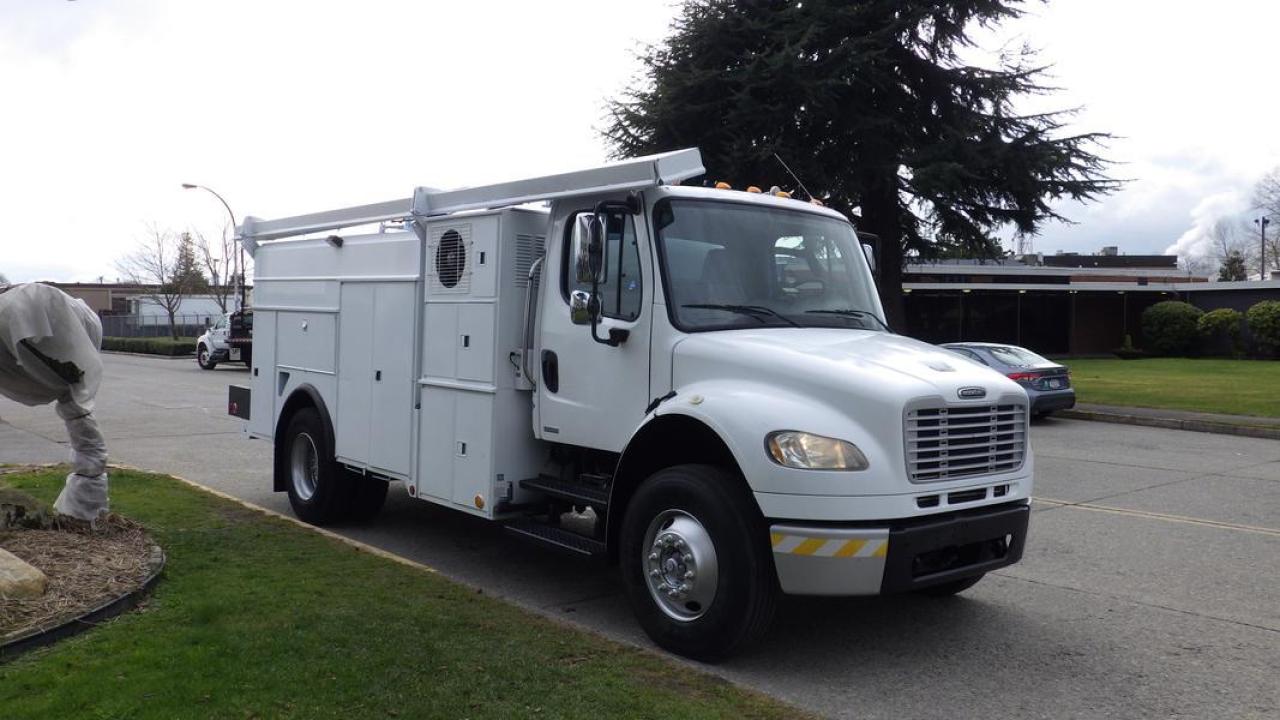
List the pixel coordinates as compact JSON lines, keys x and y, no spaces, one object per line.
{"x":576,"y":493}
{"x":556,"y":537}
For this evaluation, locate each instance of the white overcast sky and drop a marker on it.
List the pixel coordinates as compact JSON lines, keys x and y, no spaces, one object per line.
{"x":289,"y":107}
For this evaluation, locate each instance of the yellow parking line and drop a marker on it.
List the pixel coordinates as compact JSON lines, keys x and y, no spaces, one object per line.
{"x":1182,"y":519}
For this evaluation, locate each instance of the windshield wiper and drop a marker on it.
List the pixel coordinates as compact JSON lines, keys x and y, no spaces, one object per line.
{"x":853,"y":313}
{"x":755,"y":311}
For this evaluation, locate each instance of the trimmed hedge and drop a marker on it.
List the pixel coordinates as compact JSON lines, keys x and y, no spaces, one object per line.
{"x":1264,"y":325}
{"x":151,"y":346}
{"x":1220,"y":330}
{"x":1170,"y":327}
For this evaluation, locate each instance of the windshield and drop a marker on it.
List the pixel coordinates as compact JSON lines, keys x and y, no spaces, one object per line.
{"x":733,"y":265}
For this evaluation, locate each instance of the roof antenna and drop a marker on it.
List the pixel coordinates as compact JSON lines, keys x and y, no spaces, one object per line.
{"x":793,"y":176}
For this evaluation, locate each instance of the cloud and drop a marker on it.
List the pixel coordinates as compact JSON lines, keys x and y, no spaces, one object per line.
{"x":1195,"y":241}
{"x":290,"y":106}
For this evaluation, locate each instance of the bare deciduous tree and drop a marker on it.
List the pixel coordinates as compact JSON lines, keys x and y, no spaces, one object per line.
{"x":1266,"y":200}
{"x":216,"y":258}
{"x":1196,"y":265}
{"x":1228,"y":237}
{"x":156,"y":267}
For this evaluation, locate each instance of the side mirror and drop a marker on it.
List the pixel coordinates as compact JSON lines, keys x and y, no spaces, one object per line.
{"x":869,"y":251}
{"x":588,"y":248}
{"x":582,"y":307}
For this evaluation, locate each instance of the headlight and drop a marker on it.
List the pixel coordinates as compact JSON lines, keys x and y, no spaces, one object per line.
{"x":793,"y":449}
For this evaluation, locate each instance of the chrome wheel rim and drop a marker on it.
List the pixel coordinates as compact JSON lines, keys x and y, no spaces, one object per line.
{"x":304,"y":465}
{"x":204,"y":356}
{"x":680,"y":565}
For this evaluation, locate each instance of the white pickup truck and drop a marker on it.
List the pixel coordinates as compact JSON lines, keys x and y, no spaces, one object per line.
{"x":230,"y":339}
{"x":699,"y":381}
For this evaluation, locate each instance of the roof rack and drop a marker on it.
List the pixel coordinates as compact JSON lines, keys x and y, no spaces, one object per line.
{"x":634,"y":174}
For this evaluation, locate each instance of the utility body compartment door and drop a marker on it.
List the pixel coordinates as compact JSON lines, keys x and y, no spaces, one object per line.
{"x":355,"y":372}
{"x":375,"y":375}
{"x":393,"y":387}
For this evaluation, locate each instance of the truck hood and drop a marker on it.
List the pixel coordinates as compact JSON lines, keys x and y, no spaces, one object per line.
{"x":856,"y":385}
{"x":826,"y":360}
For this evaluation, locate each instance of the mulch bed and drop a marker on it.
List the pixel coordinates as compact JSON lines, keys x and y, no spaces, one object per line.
{"x":87,"y":567}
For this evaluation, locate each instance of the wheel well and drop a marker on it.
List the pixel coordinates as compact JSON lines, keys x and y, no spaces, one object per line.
{"x":304,"y":396}
{"x":665,"y":441}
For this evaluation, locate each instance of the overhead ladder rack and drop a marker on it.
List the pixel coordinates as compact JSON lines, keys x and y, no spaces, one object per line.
{"x":635,"y":174}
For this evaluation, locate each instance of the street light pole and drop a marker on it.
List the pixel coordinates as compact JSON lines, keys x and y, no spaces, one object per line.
{"x":1262,"y":224}
{"x":240,"y":290}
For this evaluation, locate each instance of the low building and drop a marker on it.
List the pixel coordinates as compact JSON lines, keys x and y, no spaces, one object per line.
{"x":1061,"y":304}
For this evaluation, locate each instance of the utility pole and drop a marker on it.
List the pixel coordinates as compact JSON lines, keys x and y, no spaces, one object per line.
{"x":1262,"y":224}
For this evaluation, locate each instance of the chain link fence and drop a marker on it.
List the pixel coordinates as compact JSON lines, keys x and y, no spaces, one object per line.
{"x":149,"y":326}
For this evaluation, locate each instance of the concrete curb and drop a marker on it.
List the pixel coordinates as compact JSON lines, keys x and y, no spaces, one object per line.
{"x":350,"y":542}
{"x":1173,"y":423}
{"x":188,"y":358}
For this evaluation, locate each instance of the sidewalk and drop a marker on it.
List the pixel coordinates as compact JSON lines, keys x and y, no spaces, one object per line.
{"x":1245,"y":425}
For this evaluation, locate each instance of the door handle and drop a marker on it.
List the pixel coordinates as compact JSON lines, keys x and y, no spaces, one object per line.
{"x":377,"y":376}
{"x":550,"y":371}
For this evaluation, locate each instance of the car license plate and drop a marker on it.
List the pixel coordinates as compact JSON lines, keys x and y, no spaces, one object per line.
{"x":1053,"y":384}
{"x":235,"y":355}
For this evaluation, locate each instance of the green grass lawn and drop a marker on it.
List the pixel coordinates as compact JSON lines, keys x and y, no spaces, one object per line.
{"x":256,"y":618}
{"x":1237,"y":387}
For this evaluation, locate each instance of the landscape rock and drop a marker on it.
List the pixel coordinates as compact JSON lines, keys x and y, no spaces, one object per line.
{"x":18,"y":579}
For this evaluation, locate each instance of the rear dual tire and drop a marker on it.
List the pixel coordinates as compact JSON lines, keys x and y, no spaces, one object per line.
{"x":321,"y":491}
{"x":696,"y":563}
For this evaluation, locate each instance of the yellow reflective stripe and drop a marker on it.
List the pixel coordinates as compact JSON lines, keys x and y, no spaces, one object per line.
{"x":827,"y":547}
{"x":809,"y":546}
{"x":849,"y":549}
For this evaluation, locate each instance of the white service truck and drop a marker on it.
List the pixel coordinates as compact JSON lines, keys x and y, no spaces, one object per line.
{"x":697,"y":381}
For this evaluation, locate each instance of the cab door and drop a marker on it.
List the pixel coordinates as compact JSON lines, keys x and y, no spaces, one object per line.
{"x":591,"y":394}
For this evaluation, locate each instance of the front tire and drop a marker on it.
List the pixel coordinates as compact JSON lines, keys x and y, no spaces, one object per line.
{"x":320,"y":490}
{"x":696,"y":562}
{"x":204,"y":358}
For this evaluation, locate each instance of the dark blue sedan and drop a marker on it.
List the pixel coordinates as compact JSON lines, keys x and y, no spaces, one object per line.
{"x":1048,"y":383}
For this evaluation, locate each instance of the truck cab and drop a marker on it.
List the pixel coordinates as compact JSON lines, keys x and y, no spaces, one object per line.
{"x":694,"y":383}
{"x":230,"y":339}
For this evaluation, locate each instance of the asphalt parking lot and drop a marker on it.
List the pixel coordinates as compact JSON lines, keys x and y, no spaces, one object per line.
{"x":1150,"y":585}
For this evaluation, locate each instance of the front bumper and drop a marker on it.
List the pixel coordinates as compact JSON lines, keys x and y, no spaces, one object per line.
{"x":902,"y":556}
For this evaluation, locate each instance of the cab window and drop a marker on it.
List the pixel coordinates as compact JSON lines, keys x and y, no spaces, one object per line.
{"x":621,"y":289}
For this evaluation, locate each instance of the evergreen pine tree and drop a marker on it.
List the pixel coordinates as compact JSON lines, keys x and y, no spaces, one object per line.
{"x":187,"y":276}
{"x":1233,"y":267}
{"x":872,"y":106}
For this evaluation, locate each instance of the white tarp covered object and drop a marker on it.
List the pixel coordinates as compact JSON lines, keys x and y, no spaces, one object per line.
{"x":49,"y":354}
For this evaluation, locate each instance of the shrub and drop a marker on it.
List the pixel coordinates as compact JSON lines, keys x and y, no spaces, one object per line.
{"x":1169,"y":327}
{"x":1264,"y":324}
{"x":151,"y":346}
{"x":1220,"y":330}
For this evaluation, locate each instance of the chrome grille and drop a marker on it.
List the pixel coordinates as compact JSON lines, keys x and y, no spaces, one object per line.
{"x":954,"y":442}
